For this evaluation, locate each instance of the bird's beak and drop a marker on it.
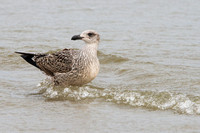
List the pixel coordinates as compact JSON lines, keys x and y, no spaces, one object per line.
{"x":76,"y":37}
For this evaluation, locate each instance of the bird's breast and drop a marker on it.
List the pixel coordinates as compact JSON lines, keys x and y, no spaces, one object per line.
{"x":94,"y":70}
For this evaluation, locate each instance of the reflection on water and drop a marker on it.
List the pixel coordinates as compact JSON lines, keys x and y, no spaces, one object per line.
{"x":150,"y":66}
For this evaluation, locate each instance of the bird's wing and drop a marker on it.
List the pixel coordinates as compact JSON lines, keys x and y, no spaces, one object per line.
{"x":61,"y":61}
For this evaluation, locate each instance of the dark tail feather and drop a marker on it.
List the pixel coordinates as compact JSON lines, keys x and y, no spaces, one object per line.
{"x":28,"y":57}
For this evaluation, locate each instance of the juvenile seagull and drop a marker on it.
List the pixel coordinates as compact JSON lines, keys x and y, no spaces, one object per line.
{"x":69,"y":66}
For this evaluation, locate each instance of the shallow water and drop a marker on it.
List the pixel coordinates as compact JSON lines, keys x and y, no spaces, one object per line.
{"x":150,"y":66}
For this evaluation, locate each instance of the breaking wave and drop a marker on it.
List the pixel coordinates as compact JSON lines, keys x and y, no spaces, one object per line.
{"x":154,"y":100}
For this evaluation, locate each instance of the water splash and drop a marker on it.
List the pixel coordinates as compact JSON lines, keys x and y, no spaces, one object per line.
{"x":71,"y":93}
{"x":154,"y":100}
{"x":162,"y":100}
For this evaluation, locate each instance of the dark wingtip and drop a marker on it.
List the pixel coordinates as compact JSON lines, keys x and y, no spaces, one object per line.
{"x":23,"y":53}
{"x":28,"y":57}
{"x":18,"y":52}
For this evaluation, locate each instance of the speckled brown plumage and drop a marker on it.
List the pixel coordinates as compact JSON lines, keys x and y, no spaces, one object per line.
{"x":61,"y":61}
{"x":69,"y":66}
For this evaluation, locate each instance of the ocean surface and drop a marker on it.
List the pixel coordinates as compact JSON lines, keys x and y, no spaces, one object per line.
{"x":149,"y":81}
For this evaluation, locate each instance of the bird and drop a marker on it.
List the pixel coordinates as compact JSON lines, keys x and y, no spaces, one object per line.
{"x":69,"y":67}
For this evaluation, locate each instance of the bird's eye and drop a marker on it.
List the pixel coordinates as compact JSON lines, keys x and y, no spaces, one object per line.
{"x":90,"y":34}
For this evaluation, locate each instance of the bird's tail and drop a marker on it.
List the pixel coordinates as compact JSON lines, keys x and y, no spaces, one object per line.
{"x":28,"y":57}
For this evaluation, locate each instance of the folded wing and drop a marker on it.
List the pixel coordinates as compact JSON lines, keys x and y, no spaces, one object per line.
{"x":61,"y":61}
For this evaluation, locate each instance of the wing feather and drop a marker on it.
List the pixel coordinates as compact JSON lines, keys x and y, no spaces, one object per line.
{"x":61,"y":61}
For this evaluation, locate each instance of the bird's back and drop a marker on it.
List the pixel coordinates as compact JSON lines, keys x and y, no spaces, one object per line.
{"x":58,"y":62}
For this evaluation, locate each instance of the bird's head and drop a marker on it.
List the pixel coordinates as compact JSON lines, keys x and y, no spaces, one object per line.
{"x":88,"y":36}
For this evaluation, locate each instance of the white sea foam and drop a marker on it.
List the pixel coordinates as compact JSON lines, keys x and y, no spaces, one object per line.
{"x":156,"y":100}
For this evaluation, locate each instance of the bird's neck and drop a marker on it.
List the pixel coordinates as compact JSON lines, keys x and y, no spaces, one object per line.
{"x":90,"y":49}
